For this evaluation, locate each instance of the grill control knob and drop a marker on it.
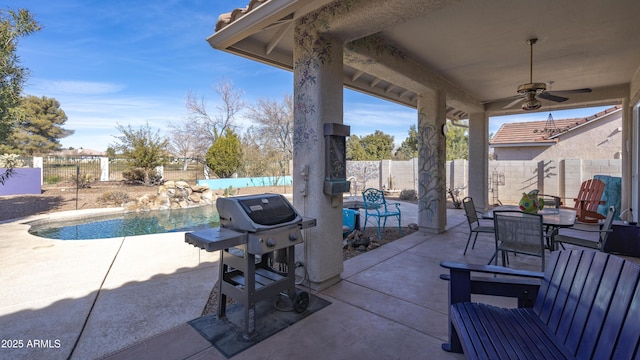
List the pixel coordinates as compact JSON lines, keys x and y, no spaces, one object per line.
{"x":293,"y":236}
{"x":271,"y":242}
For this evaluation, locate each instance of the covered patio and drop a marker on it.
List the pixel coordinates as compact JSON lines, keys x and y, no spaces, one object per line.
{"x":390,"y":304}
{"x":448,"y":60}
{"x":134,"y":297}
{"x":445,"y":58}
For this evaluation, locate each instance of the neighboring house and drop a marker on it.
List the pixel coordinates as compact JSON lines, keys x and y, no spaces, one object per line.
{"x":79,"y":153}
{"x":595,"y":137}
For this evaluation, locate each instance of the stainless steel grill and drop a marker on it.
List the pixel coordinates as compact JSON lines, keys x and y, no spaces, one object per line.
{"x":254,"y":231}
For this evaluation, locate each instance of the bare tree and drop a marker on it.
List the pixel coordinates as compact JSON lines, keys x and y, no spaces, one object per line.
{"x":182,"y":144}
{"x":261,"y":158}
{"x":362,"y":172}
{"x":275,"y":119}
{"x":193,"y":137}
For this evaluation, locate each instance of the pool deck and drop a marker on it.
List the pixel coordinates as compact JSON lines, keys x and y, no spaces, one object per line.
{"x":131,"y":297}
{"x":86,"y":298}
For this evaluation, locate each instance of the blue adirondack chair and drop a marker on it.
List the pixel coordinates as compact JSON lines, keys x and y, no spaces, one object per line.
{"x":377,"y":207}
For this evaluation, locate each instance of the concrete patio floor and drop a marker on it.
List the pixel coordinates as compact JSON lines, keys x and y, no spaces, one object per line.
{"x":132,"y":298}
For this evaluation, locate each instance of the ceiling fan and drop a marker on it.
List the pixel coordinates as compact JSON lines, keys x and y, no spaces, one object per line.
{"x":531,"y":91}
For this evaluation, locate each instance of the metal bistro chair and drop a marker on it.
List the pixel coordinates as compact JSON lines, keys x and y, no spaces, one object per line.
{"x":475,"y":226}
{"x":581,"y":235}
{"x":520,"y":233}
{"x":376,"y":206}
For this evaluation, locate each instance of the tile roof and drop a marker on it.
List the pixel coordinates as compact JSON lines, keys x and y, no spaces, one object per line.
{"x":227,"y":18}
{"x":532,"y":131}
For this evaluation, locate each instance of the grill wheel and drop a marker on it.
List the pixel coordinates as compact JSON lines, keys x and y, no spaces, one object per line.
{"x":301,"y":301}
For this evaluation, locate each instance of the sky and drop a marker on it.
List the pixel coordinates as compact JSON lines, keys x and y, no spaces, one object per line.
{"x":132,"y":62}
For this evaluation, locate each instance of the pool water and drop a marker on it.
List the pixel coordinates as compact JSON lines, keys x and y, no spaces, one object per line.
{"x":129,"y":224}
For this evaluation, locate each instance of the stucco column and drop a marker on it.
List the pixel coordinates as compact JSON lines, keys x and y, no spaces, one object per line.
{"x":317,"y":100}
{"x":432,"y":205}
{"x":626,"y":191}
{"x":479,"y":159}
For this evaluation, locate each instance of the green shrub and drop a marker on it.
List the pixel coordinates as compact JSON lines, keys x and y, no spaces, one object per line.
{"x":113,"y":197}
{"x":51,"y":179}
{"x":136,"y":176}
{"x":83,"y":181}
{"x":229,"y":191}
{"x":10,"y":161}
{"x":408,"y":195}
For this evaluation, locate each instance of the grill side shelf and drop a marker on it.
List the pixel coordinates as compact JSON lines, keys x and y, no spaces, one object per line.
{"x":215,"y":239}
{"x":307,"y":223}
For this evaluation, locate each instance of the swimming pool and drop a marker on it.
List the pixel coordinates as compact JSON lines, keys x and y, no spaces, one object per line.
{"x":122,"y":224}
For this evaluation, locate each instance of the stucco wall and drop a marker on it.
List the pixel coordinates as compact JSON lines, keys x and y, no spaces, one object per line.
{"x":561,"y":178}
{"x":603,"y":141}
{"x":554,"y":177}
{"x":24,"y":181}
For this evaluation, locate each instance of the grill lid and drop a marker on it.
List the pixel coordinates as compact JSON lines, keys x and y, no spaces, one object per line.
{"x":256,"y":212}
{"x":268,"y":210}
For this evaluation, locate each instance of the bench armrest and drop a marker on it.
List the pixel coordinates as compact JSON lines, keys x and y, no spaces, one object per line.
{"x":491,"y":269}
{"x":520,"y":284}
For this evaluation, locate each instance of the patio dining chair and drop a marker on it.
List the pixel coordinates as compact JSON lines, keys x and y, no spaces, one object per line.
{"x":475,"y":226}
{"x":520,"y":233}
{"x":588,"y":199}
{"x":376,"y":206}
{"x":580,"y":236}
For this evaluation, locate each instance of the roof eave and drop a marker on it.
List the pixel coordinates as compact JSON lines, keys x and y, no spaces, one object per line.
{"x":260,"y":18}
{"x":604,"y":116}
{"x":523,"y":144}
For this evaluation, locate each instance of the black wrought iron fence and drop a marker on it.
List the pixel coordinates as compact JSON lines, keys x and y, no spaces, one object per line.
{"x":58,"y":169}
{"x":183,"y":169}
{"x":116,"y":167}
{"x":188,"y":170}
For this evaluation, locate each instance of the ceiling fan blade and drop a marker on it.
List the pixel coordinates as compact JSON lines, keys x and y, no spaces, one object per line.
{"x":547,"y":96}
{"x":510,"y":98}
{"x":514,"y":102}
{"x":573,"y":91}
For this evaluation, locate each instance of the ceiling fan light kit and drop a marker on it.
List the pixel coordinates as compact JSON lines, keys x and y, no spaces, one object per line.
{"x":532,"y":103}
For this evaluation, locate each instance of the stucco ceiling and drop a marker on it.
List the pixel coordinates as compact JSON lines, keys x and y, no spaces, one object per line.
{"x":476,"y":47}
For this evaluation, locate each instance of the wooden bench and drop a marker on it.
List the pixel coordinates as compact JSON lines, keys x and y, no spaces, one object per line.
{"x":587,"y":306}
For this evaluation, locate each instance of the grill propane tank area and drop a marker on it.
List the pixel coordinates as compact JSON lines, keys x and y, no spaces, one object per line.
{"x":256,"y":232}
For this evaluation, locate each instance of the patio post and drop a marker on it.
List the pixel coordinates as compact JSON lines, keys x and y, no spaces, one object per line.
{"x":432,"y":210}
{"x":317,"y":101}
{"x":479,"y":159}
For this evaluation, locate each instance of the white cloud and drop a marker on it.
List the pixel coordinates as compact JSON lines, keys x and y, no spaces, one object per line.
{"x":61,"y":87}
{"x":95,"y":118}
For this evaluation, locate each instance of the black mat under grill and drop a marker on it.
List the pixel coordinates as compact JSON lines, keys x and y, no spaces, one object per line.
{"x":226,"y":334}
